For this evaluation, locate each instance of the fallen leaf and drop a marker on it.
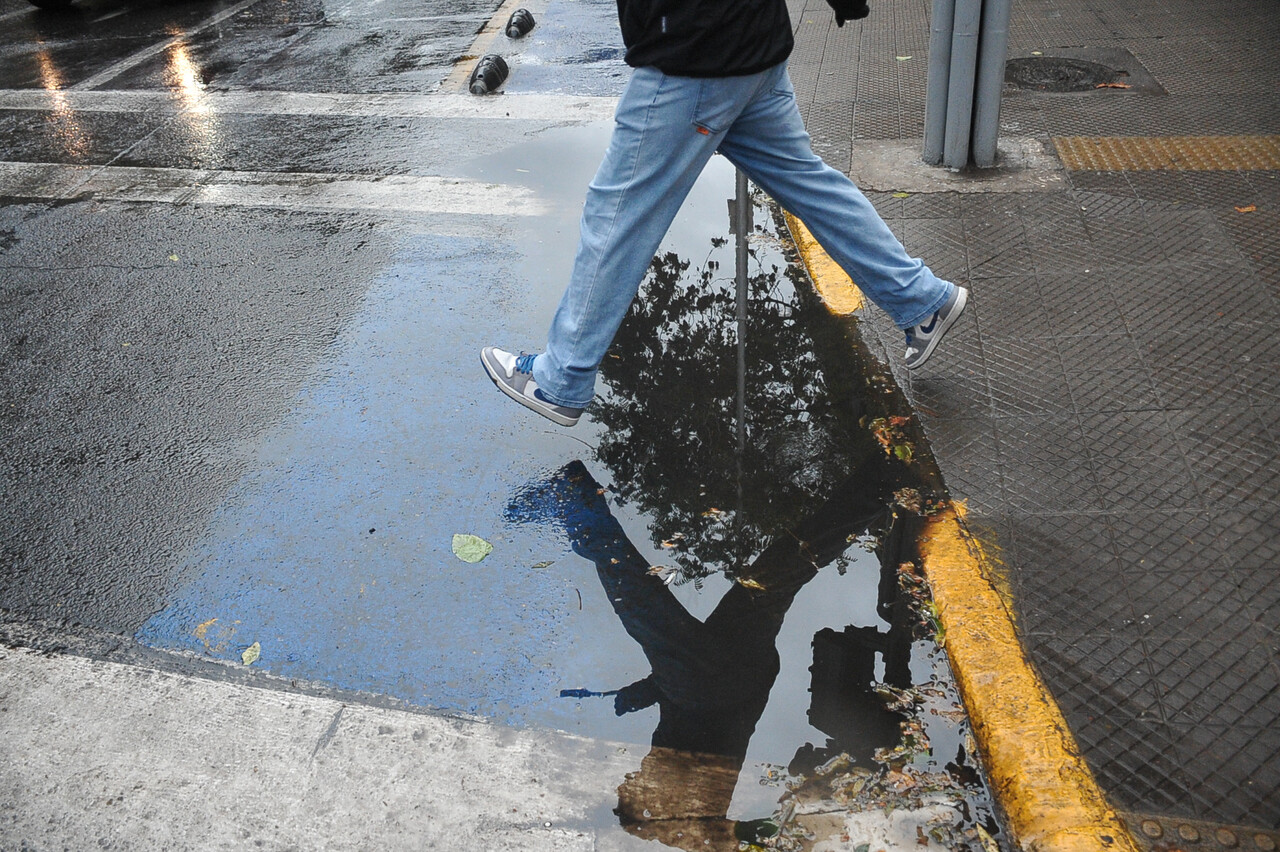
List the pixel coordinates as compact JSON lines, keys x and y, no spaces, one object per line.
{"x":174,"y":258}
{"x":902,"y":58}
{"x":546,"y":564}
{"x":899,"y":782}
{"x":988,"y":842}
{"x":901,"y":195}
{"x":750,"y":584}
{"x":909,"y":498}
{"x":1113,"y":86}
{"x":470,"y":548}
{"x":1249,"y":209}
{"x":251,"y":654}
{"x":665,"y":573}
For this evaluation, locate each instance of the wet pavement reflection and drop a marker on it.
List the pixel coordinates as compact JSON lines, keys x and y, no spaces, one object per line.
{"x":728,"y":590}
{"x":711,"y":678}
{"x":811,"y":489}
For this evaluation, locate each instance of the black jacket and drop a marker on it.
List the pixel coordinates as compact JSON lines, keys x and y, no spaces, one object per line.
{"x":705,"y":38}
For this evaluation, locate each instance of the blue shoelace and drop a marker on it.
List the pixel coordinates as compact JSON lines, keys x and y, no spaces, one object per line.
{"x":524,"y":363}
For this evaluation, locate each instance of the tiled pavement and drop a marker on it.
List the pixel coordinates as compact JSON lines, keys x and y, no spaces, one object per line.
{"x":1110,"y":407}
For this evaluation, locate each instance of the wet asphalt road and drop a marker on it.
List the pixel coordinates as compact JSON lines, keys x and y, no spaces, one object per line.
{"x":234,"y":331}
{"x":249,"y":253}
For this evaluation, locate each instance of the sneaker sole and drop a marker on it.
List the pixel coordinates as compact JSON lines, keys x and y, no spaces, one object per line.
{"x":531,"y":404}
{"x":946,"y":326}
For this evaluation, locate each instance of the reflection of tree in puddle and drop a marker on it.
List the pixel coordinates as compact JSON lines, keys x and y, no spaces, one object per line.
{"x":811,"y":482}
{"x":669,"y":413}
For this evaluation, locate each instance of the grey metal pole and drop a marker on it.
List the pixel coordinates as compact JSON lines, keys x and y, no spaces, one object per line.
{"x":742,"y":226}
{"x":935,"y":108}
{"x":741,"y":229}
{"x":964,"y":66}
{"x":992,"y":50}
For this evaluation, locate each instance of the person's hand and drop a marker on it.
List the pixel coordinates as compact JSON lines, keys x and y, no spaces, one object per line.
{"x":636,"y":696}
{"x":849,"y":10}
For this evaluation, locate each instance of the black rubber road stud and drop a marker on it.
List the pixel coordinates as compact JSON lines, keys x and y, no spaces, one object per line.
{"x":489,"y":74}
{"x":520,"y":22}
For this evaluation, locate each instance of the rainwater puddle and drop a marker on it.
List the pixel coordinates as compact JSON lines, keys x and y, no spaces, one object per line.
{"x":737,"y":614}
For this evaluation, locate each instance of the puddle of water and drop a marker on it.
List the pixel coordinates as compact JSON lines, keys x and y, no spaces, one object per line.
{"x":759,"y":661}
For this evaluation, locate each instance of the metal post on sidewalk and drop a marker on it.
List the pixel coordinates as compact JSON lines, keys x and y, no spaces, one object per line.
{"x":741,"y":228}
{"x":964,"y":66}
{"x":968,"y":44}
{"x":935,"y":109}
{"x":992,"y":51}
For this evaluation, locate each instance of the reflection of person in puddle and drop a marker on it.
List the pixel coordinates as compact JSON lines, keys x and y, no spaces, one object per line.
{"x":710,"y":679}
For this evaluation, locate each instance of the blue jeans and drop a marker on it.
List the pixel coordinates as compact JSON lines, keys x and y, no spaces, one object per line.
{"x":666,"y":128}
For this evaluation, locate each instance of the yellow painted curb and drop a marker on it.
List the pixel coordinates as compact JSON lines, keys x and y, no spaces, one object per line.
{"x":1047,"y":792}
{"x":837,"y":290}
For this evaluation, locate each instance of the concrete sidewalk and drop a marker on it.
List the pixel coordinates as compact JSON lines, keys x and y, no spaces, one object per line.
{"x":1107,"y":410}
{"x":140,"y":754}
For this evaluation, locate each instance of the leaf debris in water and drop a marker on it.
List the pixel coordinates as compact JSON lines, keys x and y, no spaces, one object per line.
{"x":470,"y":548}
{"x":665,"y":573}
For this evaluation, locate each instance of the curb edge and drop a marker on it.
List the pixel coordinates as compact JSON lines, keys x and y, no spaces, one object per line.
{"x":1050,"y":799}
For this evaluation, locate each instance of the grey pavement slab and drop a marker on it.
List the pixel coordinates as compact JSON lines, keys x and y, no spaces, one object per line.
{"x":1107,"y":408}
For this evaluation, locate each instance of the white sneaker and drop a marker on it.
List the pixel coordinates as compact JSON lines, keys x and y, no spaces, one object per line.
{"x":922,"y":339}
{"x":513,"y":374}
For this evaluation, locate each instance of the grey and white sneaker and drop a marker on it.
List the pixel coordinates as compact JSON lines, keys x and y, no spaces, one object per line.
{"x":513,"y":374}
{"x":922,"y":339}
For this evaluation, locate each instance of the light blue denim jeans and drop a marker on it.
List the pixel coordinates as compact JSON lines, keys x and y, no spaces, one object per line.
{"x":666,"y":128}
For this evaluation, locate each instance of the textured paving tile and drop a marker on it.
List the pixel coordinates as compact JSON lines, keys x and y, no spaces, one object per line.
{"x":1107,"y":408}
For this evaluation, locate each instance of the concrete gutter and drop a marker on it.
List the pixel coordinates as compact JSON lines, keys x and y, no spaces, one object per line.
{"x":1049,"y":797}
{"x":105,"y":755}
{"x":115,"y":755}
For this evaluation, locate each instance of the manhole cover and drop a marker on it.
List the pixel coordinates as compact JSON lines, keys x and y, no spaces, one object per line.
{"x":1054,"y":74}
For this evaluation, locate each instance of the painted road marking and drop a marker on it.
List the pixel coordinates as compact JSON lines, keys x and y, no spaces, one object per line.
{"x":1168,"y":153}
{"x":530,"y":107}
{"x":280,"y":190}
{"x":140,"y":56}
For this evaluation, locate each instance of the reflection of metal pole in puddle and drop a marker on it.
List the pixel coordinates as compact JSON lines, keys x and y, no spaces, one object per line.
{"x":741,"y":223}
